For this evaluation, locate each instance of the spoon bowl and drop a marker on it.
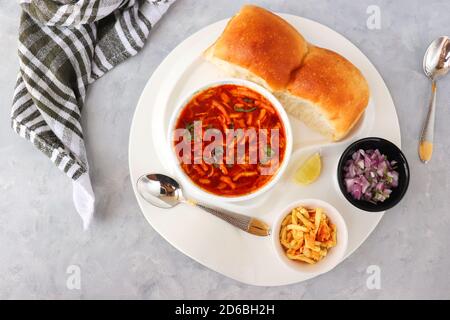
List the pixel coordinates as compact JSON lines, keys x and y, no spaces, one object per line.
{"x":436,"y":61}
{"x":160,"y":190}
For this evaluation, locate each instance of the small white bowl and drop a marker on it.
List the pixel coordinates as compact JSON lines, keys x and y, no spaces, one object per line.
{"x":335,"y":254}
{"x":186,"y":180}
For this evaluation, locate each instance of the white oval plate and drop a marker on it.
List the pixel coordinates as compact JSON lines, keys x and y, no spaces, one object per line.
{"x":210,"y":241}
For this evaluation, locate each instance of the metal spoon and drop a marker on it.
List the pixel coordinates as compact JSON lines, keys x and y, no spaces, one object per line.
{"x":164,"y":192}
{"x":436,"y":63}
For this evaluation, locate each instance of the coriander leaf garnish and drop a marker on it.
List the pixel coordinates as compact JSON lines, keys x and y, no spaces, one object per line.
{"x":237,"y":109}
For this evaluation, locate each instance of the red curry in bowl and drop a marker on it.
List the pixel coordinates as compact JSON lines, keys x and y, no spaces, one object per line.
{"x":252,"y":147}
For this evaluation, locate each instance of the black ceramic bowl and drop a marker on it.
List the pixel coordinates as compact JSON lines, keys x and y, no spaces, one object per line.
{"x":392,"y":152}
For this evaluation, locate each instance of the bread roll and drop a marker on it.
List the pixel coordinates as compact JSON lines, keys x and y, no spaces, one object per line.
{"x":260,"y":46}
{"x":327,"y":92}
{"x":318,"y":86}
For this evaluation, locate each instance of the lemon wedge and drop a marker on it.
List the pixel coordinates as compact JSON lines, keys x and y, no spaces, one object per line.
{"x":309,"y":171}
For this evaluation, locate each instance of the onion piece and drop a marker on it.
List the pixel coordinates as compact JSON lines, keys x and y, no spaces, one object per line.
{"x":370,"y":176}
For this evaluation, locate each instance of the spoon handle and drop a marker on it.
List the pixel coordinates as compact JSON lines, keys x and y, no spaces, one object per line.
{"x":245,"y":223}
{"x":426,"y":138}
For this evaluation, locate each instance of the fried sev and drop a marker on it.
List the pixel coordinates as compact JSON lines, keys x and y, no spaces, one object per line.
{"x":307,"y":234}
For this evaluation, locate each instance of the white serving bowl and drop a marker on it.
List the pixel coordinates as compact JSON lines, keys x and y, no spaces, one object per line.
{"x":186,"y":180}
{"x":335,"y":254}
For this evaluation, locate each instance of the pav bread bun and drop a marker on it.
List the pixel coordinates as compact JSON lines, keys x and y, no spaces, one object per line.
{"x":259,"y":46}
{"x":327,"y":92}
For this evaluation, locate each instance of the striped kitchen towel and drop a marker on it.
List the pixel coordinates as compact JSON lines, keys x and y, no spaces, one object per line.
{"x":64,"y":45}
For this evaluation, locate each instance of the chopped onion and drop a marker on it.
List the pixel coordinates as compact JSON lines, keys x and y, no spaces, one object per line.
{"x":370,"y":176}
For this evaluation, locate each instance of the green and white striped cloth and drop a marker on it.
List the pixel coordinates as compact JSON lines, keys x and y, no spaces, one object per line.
{"x":64,"y":45}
